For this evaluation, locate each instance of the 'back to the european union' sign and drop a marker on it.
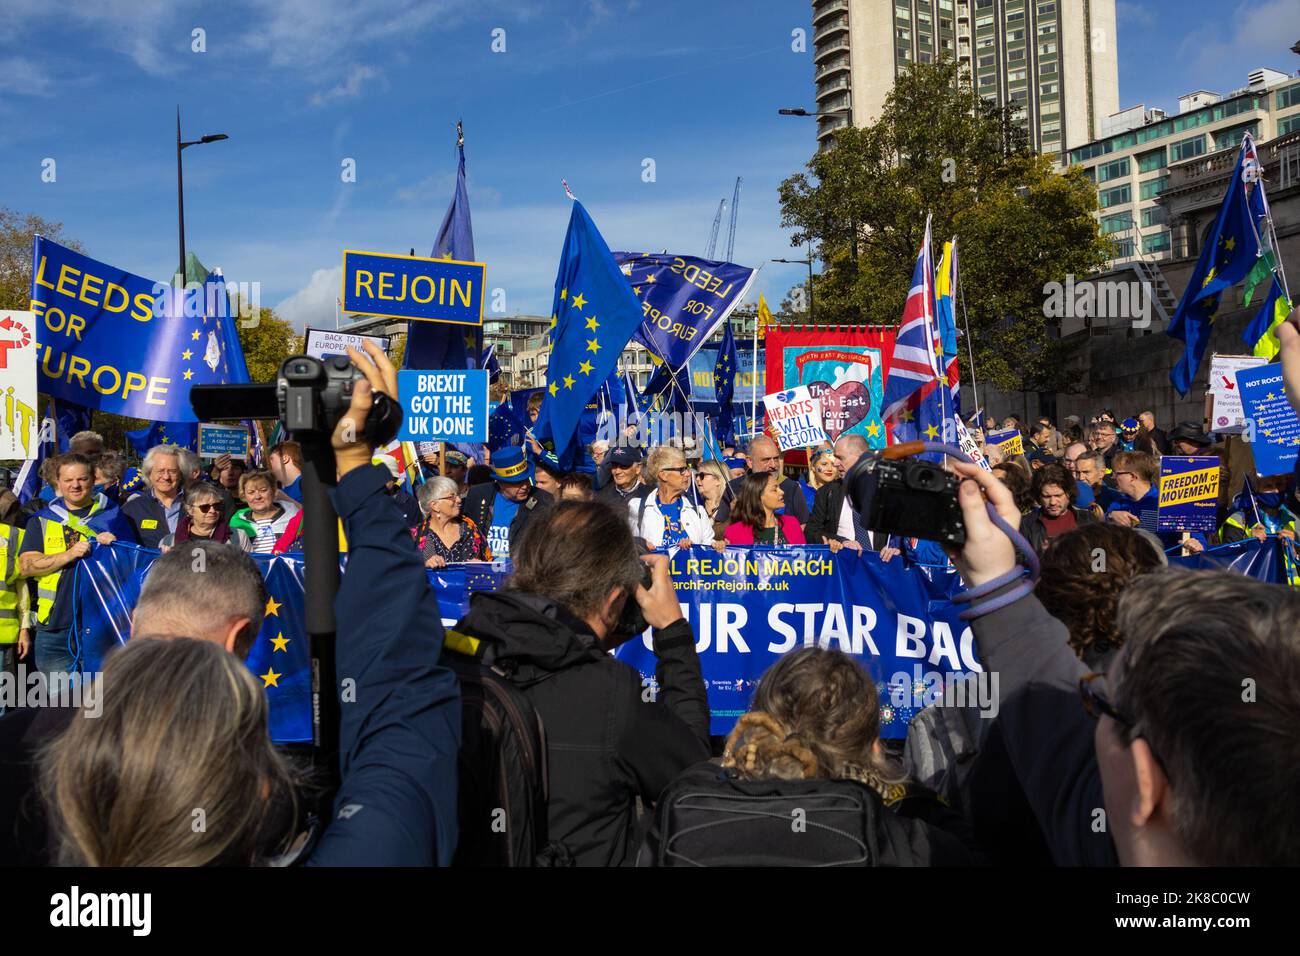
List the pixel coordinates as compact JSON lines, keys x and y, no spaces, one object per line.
{"x":413,"y":287}
{"x":444,"y":406}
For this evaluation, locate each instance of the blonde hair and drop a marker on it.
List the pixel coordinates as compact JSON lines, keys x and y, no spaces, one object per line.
{"x":718,"y":470}
{"x":659,"y":457}
{"x":815,"y":714}
{"x":814,"y":458}
{"x":178,"y":770}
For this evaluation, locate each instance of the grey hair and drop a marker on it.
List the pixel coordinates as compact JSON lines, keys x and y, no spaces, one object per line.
{"x":760,"y":440}
{"x":433,"y":489}
{"x":151,"y":456}
{"x":201,"y":491}
{"x":189,"y":463}
{"x":660,"y":456}
{"x":182,"y":593}
{"x":1097,"y":457}
{"x":85,"y":436}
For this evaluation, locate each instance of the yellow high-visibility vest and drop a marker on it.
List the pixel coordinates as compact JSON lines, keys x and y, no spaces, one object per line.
{"x":11,"y":586}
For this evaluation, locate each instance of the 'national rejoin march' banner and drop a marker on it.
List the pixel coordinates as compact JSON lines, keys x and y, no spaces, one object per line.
{"x":115,"y":341}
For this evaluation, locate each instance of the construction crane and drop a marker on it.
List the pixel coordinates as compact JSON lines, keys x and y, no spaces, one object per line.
{"x":735,"y":206}
{"x":713,"y":233}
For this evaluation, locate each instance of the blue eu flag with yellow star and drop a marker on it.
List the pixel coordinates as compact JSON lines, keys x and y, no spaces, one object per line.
{"x":724,"y":384}
{"x":180,"y":434}
{"x":593,"y":317}
{"x":1227,"y":257}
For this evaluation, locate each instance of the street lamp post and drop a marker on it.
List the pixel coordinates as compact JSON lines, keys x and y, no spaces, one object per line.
{"x":180,"y":183}
{"x":809,"y":263}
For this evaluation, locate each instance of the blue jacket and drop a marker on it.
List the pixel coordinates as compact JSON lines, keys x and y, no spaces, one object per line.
{"x":399,"y":740}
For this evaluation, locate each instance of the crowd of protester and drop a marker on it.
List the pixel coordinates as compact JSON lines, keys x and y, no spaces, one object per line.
{"x":1100,"y":664}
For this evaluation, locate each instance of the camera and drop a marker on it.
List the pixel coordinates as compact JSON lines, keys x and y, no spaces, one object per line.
{"x":632,"y":620}
{"x":908,"y":497}
{"x":309,"y":397}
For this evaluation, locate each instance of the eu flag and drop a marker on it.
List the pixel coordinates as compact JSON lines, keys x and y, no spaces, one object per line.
{"x":431,"y":345}
{"x":593,"y":317}
{"x":668,"y":391}
{"x":180,"y":434}
{"x":724,"y":384}
{"x":1227,"y":257}
{"x":71,"y":418}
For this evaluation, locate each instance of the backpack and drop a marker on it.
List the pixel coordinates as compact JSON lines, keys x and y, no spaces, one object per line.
{"x":503,"y":782}
{"x":710,"y":817}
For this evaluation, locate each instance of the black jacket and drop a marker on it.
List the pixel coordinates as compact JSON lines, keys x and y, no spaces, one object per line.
{"x":1035,"y":532}
{"x":824,"y":522}
{"x":608,"y":740}
{"x":148,"y":517}
{"x":479,"y":501}
{"x":795,"y":503}
{"x":610,"y":494}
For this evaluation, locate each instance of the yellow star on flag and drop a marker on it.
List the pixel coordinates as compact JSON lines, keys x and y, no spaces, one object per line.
{"x":568,"y":381}
{"x":943,"y":379}
{"x":578,"y":301}
{"x":195,"y":335}
{"x":585,"y":368}
{"x":905,"y":415}
{"x":188,"y":375}
{"x":554,"y":389}
{"x":932,"y":433}
{"x":272,"y":607}
{"x":1230,"y":243}
{"x":873,"y":430}
{"x":593,"y":345}
{"x":564,"y":294}
{"x":554,"y":321}
{"x":281,"y":643}
{"x":592,"y":324}
{"x":270,"y":678}
{"x":187,"y":355}
{"x":650,"y":278}
{"x":636,"y":289}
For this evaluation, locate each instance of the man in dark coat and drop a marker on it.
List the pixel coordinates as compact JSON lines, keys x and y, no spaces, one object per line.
{"x":612,"y":738}
{"x":1055,"y":491}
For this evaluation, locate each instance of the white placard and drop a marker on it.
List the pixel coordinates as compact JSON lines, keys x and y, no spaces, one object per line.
{"x":966,"y":441}
{"x":1226,"y":416}
{"x":19,"y":425}
{"x":796,"y":417}
{"x":322,"y":343}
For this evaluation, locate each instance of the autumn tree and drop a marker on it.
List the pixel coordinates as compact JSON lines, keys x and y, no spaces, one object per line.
{"x":938,"y":149}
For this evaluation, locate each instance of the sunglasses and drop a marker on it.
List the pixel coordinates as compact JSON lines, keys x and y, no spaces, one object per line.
{"x":210,"y":506}
{"x":677,"y":468}
{"x":1095,"y":704}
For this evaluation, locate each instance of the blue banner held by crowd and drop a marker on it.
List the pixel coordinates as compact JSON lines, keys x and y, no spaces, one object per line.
{"x":747,"y":607}
{"x":684,"y":300}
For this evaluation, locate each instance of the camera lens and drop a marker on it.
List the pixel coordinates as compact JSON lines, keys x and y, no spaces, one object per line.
{"x":301,"y":368}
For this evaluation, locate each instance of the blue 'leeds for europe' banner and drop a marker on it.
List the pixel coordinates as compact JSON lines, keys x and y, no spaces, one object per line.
{"x":413,"y":287}
{"x":120,"y":343}
{"x":684,"y":299}
{"x":897,"y":619}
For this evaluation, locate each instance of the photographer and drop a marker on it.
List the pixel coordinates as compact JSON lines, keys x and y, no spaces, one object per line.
{"x":611,"y":739}
{"x":398,"y":735}
{"x":1121,"y":750}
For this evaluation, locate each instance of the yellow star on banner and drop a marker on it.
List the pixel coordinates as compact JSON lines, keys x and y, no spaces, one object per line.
{"x":281,"y":643}
{"x":272,"y":607}
{"x":195,"y":335}
{"x":873,"y":430}
{"x":187,"y":355}
{"x":270,"y":678}
{"x":1208,"y":276}
{"x":1229,"y":243}
{"x":568,"y":381}
{"x":188,"y":375}
{"x":592,"y":324}
{"x":593,"y":346}
{"x":1269,"y":395}
{"x":636,"y":289}
{"x":554,"y":321}
{"x":564,"y":294}
{"x":554,"y":389}
{"x":650,"y":278}
{"x":578,"y":301}
{"x":943,"y":379}
{"x":585,"y":368}
{"x":932,"y":433}
{"x":905,"y":415}
{"x":469,"y":341}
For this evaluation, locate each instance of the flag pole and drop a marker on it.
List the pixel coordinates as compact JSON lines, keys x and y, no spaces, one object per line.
{"x":970,"y":351}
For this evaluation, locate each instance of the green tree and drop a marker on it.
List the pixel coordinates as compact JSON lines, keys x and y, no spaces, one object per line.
{"x":938,"y":149}
{"x":16,"y":232}
{"x":267,"y":341}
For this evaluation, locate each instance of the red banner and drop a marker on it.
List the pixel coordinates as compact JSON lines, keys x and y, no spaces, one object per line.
{"x":844,"y":366}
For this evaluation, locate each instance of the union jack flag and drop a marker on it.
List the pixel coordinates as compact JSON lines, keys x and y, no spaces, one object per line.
{"x":914,"y":371}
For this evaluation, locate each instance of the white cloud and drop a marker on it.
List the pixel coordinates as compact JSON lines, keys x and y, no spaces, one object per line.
{"x":316,"y":303}
{"x":438,"y":189}
{"x":23,"y":77}
{"x":350,"y":88}
{"x":1254,"y":35}
{"x":1133,"y":14}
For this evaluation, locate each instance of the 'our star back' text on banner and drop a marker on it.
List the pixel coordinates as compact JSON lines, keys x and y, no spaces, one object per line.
{"x":123,"y":344}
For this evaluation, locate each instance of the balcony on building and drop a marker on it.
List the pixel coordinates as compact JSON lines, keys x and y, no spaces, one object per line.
{"x":823,"y":10}
{"x":831,"y":46}
{"x":831,"y":88}
{"x":831,"y":28}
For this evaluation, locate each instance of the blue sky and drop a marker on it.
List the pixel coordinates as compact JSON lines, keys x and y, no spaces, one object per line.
{"x":585,"y":90}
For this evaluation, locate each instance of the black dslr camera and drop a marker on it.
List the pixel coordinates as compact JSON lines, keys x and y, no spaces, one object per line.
{"x":309,"y":397}
{"x":907,"y":497}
